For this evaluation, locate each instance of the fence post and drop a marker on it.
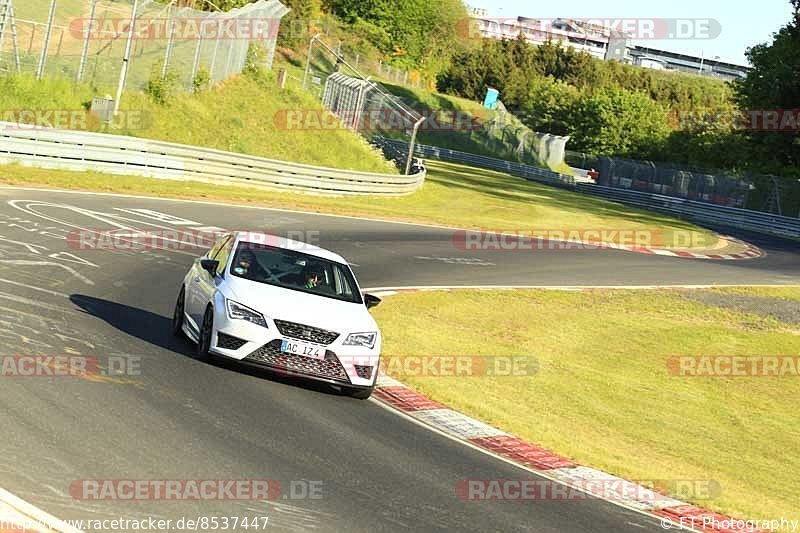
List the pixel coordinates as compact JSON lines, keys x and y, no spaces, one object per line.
{"x":123,"y":73}
{"x":49,"y":30}
{"x":196,"y":63}
{"x":228,"y":59}
{"x":33,"y":35}
{"x":308,"y":59}
{"x":60,"y":42}
{"x":214,"y":53}
{"x":85,"y":51}
{"x":360,"y":104}
{"x":170,"y":44}
{"x":412,"y":144}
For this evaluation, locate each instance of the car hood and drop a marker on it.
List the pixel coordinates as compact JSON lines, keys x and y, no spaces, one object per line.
{"x":300,"y":307}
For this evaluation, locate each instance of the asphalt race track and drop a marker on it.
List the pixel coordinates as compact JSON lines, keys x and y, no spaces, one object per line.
{"x":177,"y":418}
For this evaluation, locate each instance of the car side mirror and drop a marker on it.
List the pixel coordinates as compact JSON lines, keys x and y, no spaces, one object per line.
{"x":371,"y":300}
{"x":210,"y":266}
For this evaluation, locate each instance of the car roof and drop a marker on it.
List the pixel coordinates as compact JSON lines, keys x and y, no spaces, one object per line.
{"x":277,"y":241}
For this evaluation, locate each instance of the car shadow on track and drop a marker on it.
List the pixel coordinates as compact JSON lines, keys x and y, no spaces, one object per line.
{"x":157,"y":330}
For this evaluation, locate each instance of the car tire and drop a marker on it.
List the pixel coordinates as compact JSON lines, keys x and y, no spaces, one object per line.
{"x":206,"y":332}
{"x":360,"y":394}
{"x":178,"y":314}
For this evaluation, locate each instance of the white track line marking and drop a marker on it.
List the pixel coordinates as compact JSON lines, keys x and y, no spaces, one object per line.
{"x":33,"y":288}
{"x":35,"y":513}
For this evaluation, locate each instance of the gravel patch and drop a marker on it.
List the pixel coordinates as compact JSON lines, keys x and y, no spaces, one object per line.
{"x":780,"y":309}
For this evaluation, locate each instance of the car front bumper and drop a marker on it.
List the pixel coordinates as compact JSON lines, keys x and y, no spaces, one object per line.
{"x":350,"y":366}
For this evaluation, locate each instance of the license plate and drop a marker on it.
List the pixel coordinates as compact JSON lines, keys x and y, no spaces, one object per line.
{"x":302,"y":349}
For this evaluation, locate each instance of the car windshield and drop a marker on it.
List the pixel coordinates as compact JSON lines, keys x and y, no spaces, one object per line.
{"x":294,"y":270}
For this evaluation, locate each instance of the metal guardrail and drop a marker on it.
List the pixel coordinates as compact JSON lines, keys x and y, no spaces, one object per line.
{"x":529,"y":172}
{"x":745,"y":219}
{"x":117,"y":154}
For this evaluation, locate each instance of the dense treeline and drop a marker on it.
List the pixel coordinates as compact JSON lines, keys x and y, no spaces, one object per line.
{"x":774,"y":84}
{"x":420,"y":34}
{"x":606,"y":107}
{"x":614,"y":109}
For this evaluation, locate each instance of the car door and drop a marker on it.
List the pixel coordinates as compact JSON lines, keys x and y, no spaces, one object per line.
{"x":199,"y":281}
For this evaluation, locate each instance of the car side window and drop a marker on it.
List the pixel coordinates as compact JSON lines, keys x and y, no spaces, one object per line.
{"x":342,"y":288}
{"x":222,"y":257}
{"x":214,"y":251}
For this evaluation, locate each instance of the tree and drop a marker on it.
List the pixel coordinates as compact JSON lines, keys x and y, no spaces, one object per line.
{"x":421,"y":33}
{"x":615,"y":121}
{"x":774,"y":84}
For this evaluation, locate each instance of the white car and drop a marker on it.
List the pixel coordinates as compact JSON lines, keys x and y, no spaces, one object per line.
{"x":283,"y":304}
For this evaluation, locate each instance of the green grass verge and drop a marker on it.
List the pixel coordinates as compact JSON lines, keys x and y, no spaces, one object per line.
{"x":602,"y":393}
{"x":453,"y":195}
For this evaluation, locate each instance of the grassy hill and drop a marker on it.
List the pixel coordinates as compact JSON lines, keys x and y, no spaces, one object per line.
{"x":238,"y":115}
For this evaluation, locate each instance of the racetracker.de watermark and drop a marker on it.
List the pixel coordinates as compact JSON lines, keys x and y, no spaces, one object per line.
{"x":727,"y":366}
{"x":566,"y":239}
{"x":192,"y":240}
{"x":177,"y":29}
{"x":70,"y":119}
{"x":606,"y":488}
{"x":195,"y":489}
{"x":58,"y":366}
{"x":644,"y":28}
{"x":444,"y":366}
{"x":376,"y":120}
{"x":776,"y":120}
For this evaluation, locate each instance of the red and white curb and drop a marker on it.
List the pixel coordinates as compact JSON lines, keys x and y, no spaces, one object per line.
{"x":673,"y":513}
{"x":751,"y":251}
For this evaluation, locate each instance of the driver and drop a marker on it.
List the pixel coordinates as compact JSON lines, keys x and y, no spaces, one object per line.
{"x":247,"y":265}
{"x":313,"y":278}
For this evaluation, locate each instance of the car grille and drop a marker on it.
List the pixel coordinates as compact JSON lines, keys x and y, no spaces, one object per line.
{"x":363,"y":371}
{"x":270,"y":354}
{"x":306,"y":333}
{"x":229,"y":342}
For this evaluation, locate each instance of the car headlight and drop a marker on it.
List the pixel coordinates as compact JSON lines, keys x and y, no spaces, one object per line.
{"x":237,"y":311}
{"x":361,"y":339}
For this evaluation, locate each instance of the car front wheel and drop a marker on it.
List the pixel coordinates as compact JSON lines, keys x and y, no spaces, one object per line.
{"x":206,"y":330}
{"x":177,"y":316}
